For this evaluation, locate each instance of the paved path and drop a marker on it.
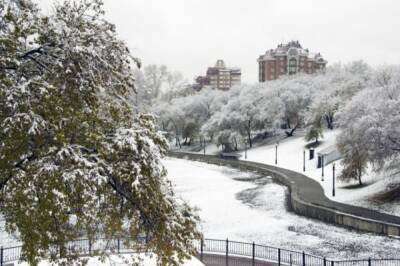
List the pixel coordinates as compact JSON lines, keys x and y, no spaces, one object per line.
{"x":308,"y":191}
{"x":220,"y":260}
{"x":311,"y":191}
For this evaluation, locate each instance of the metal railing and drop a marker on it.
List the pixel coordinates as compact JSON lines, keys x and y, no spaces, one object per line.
{"x":280,"y":256}
{"x":225,"y":248}
{"x":82,"y":247}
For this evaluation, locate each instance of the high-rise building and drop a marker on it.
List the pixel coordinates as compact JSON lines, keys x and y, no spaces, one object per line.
{"x":220,"y":76}
{"x":289,"y":59}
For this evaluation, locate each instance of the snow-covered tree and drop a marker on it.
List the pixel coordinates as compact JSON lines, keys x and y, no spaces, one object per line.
{"x":281,"y":106}
{"x":238,"y":117}
{"x":74,"y":160}
{"x":177,"y":86}
{"x":182,"y":117}
{"x":314,"y":130}
{"x":370,"y":123}
{"x":295,"y":98}
{"x":355,"y":156}
{"x":157,"y":84}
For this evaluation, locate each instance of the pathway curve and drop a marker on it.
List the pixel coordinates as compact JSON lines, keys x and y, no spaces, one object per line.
{"x":307,"y":197}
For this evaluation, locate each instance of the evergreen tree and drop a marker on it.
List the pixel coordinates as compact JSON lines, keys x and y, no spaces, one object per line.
{"x":314,"y":130}
{"x":75,"y":162}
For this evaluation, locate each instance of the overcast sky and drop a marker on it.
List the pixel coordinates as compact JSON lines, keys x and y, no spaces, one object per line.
{"x":190,"y":35}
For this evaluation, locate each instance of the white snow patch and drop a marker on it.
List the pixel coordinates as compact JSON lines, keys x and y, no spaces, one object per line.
{"x":115,"y":260}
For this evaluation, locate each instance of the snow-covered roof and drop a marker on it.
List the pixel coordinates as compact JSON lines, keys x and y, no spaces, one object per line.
{"x":292,"y":47}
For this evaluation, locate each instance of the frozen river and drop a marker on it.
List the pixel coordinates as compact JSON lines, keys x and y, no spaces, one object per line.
{"x":248,"y":207}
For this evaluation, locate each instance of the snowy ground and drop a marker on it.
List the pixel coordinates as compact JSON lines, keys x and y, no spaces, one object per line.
{"x":247,"y":207}
{"x":290,"y":156}
{"x":6,"y":240}
{"x":145,"y":260}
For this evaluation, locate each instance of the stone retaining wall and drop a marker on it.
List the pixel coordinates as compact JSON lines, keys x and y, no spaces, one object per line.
{"x":331,"y":213}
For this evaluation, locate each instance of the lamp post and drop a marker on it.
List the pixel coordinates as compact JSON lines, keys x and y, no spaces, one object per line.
{"x":333,"y":180}
{"x":245,"y":148}
{"x":204,"y":145}
{"x":304,"y":160}
{"x":276,"y":152}
{"x":322,"y":166}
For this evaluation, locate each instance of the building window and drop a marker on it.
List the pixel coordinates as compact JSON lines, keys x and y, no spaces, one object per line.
{"x":292,"y":66}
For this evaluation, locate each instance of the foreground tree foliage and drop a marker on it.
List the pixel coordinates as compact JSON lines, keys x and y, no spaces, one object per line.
{"x":74,"y":160}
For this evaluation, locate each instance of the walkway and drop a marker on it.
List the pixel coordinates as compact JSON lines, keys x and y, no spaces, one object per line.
{"x":220,"y":260}
{"x":308,"y":199}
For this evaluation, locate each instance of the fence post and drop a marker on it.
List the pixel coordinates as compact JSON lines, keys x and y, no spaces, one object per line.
{"x":304,"y":259}
{"x":279,"y":257}
{"x":324,"y":261}
{"x":290,"y":259}
{"x":227,"y":251}
{"x":369,"y":261}
{"x":118,"y":245}
{"x":254,"y":254}
{"x":332,"y":263}
{"x":1,"y":256}
{"x":201,"y":248}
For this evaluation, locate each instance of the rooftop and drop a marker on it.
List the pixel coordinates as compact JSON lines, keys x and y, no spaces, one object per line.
{"x":293,"y":48}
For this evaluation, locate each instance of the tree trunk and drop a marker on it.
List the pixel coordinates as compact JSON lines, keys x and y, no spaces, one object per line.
{"x":235,"y":144}
{"x":249,"y":133}
{"x":290,"y":133}
{"x":249,"y":138}
{"x":288,"y":123}
{"x":177,"y":137}
{"x":179,"y":142}
{"x":329,"y":121}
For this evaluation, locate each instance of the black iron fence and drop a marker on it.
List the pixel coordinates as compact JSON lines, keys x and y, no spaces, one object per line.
{"x":223,"y":248}
{"x":279,"y":256}
{"x":82,"y":247}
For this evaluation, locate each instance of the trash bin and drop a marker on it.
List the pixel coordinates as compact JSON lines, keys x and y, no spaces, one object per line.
{"x":320,"y":162}
{"x":312,"y":152}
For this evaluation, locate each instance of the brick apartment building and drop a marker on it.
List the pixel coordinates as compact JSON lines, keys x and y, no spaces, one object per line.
{"x":288,"y":59}
{"x":220,"y":77}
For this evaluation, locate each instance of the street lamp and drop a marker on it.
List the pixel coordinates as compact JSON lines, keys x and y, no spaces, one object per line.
{"x":333,"y":180}
{"x":276,"y":152}
{"x":245,"y":148}
{"x":322,"y":165}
